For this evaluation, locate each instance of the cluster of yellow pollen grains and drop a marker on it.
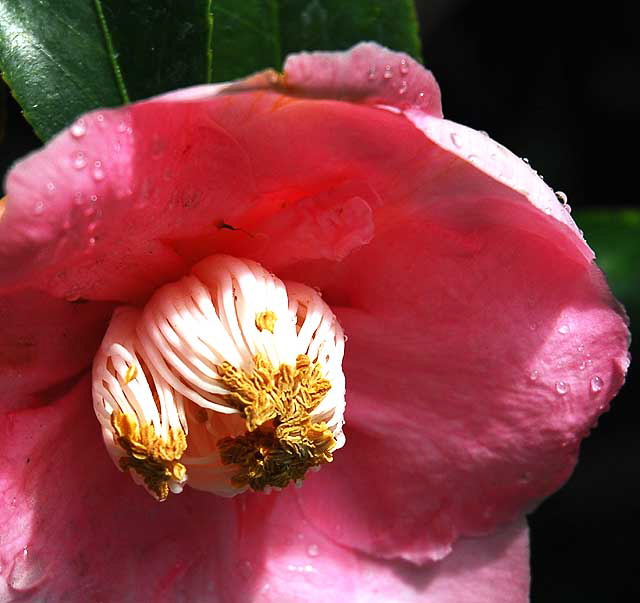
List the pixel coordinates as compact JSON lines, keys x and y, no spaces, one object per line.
{"x":282,"y":442}
{"x":151,"y":456}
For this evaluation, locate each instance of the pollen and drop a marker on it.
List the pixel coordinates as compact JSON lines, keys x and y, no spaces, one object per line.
{"x":266,"y":320}
{"x":227,"y":380}
{"x":152,"y":457}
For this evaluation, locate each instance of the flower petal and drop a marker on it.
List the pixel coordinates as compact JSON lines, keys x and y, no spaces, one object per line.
{"x":477,"y":359}
{"x":367,"y":73}
{"x":44,"y":342}
{"x":75,"y":529}
{"x":303,"y":565}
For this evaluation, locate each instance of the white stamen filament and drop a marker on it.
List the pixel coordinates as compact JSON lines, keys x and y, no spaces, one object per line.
{"x":186,"y":331}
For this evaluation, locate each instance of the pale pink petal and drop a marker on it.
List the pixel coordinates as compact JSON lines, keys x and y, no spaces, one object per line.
{"x":303,"y":565}
{"x":367,"y":73}
{"x":44,"y":342}
{"x":76,"y":530}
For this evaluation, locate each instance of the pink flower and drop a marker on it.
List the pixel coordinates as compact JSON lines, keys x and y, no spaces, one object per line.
{"x":483,"y":342}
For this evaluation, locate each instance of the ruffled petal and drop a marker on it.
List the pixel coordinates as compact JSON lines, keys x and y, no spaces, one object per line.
{"x":303,"y":565}
{"x":75,"y":529}
{"x":476,"y":362}
{"x":367,"y":73}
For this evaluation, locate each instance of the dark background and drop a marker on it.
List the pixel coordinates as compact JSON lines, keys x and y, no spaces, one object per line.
{"x":557,"y":83}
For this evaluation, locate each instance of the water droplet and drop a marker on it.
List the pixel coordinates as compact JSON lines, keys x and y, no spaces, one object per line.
{"x":534,"y":375}
{"x":27,"y":571}
{"x":100,"y":118}
{"x":403,"y":87}
{"x":473,"y":159}
{"x":121,"y":127}
{"x":567,"y":208}
{"x":371,"y":73}
{"x":486,"y":134}
{"x":98,"y":172}
{"x":92,"y":241}
{"x":92,"y":226}
{"x":38,"y":208}
{"x":562,"y":197}
{"x":80,"y":160}
{"x":563,"y":330}
{"x":525,"y":160}
{"x":93,"y":198}
{"x":580,"y":348}
{"x":388,"y":72}
{"x":455,"y":139}
{"x":596,"y":384}
{"x":303,"y":569}
{"x":51,"y":187}
{"x":404,"y":66}
{"x":312,"y":550}
{"x":79,"y":128}
{"x":547,"y":210}
{"x":533,"y":326}
{"x":562,"y":387}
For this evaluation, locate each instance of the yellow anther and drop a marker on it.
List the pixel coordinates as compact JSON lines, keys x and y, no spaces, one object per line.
{"x":282,"y":442}
{"x":152,"y":457}
{"x":266,"y":321}
{"x":131,"y":374}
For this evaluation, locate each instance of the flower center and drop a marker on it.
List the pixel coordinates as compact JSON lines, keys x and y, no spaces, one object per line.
{"x":227,"y":380}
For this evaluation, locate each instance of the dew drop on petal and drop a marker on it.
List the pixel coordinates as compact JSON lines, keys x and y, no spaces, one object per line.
{"x":388,"y":72}
{"x":92,"y":241}
{"x":312,"y":550}
{"x":403,"y":87}
{"x":98,"y":172}
{"x":562,"y":387}
{"x":371,"y":73}
{"x":79,"y":160}
{"x":455,"y":139}
{"x":547,"y":210}
{"x":38,"y":208}
{"x":562,"y":197}
{"x":100,"y":118}
{"x":79,"y":128}
{"x":404,"y":66}
{"x":534,"y":375}
{"x":563,"y":330}
{"x":27,"y":571}
{"x":51,"y":187}
{"x":121,"y":127}
{"x":596,"y":384}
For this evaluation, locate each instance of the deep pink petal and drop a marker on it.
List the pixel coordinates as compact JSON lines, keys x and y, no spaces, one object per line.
{"x":44,"y":342}
{"x":476,"y":362}
{"x":303,"y":565}
{"x":75,"y":529}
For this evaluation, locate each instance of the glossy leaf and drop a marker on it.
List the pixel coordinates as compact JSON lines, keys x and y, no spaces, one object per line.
{"x":53,"y":57}
{"x":338,"y":24}
{"x":62,"y":59}
{"x":157,"y":45}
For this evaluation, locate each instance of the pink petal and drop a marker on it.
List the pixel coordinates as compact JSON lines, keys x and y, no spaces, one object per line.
{"x":303,"y":565}
{"x":455,"y":282}
{"x":476,"y":362}
{"x":75,"y":529}
{"x":366,"y":73}
{"x":44,"y":342}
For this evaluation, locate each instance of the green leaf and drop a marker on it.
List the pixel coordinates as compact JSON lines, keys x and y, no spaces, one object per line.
{"x":62,"y":59}
{"x":255,"y":34}
{"x":157,"y":45}
{"x":615,"y":236}
{"x":53,"y":57}
{"x":338,"y":24}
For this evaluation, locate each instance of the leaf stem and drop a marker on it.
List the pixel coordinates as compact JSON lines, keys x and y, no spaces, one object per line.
{"x":111,"y":51}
